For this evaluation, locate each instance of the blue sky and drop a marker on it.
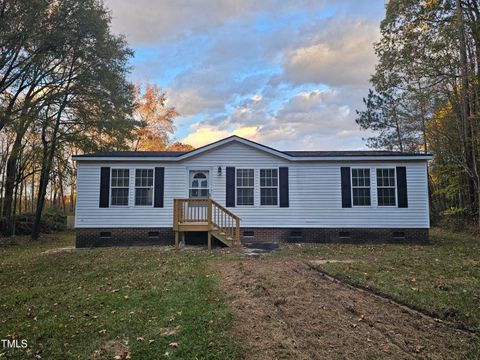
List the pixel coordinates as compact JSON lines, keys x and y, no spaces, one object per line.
{"x":289,"y":74}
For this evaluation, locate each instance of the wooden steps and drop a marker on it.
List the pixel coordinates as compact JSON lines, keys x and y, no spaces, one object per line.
{"x":206,"y":215}
{"x":221,"y":236}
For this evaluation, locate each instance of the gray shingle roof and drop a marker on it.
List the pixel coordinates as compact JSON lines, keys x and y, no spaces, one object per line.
{"x":148,"y":154}
{"x":138,"y":154}
{"x":348,"y":153}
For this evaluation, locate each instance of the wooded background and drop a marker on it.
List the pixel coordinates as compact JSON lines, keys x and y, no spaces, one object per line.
{"x":64,"y":90}
{"x":425,"y":97}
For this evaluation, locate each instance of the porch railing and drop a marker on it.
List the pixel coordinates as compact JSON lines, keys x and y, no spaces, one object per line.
{"x":206,"y":212}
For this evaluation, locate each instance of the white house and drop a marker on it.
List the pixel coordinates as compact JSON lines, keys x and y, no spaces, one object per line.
{"x":236,"y":190}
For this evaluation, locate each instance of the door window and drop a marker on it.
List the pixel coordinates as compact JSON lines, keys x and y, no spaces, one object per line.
{"x":198,"y":184}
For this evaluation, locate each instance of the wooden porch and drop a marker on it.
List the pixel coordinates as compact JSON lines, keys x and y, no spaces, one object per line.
{"x":205,"y":215}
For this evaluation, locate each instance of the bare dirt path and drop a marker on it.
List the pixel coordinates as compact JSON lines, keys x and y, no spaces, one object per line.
{"x":286,"y":310}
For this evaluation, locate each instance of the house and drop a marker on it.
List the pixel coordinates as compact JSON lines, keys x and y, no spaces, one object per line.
{"x":237,"y":191}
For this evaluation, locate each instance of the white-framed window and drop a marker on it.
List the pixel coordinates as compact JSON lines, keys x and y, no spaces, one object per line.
{"x":361,"y":187}
{"x":119,"y":184}
{"x":268,"y":186}
{"x":245,"y":186}
{"x":386,"y":187}
{"x":143,"y":187}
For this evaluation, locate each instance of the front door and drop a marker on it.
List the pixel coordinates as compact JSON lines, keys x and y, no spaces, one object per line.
{"x":199,"y":187}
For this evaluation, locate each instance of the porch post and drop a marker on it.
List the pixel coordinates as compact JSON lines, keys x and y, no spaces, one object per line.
{"x":177,"y":239}
{"x":209,"y":240}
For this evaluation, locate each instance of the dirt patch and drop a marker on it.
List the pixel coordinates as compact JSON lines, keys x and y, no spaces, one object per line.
{"x":322,"y":262}
{"x":59,"y":250}
{"x":112,"y":349}
{"x":285,"y":309}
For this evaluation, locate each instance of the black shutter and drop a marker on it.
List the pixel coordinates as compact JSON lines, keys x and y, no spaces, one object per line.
{"x":104,"y":187}
{"x":402,"y":187}
{"x":159,"y":187}
{"x":230,"y":190}
{"x":284,"y":187}
{"x":346,"y":187}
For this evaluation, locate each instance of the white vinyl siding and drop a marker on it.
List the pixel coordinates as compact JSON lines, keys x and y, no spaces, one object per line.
{"x":315,"y":199}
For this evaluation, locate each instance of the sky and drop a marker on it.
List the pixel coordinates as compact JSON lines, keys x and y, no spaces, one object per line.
{"x":286,"y":73}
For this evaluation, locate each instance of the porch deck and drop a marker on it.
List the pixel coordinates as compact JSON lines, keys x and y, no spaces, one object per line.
{"x":205,"y":215}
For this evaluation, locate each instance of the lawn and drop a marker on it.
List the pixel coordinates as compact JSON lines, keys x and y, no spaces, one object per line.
{"x":107,"y":302}
{"x":143,"y":301}
{"x":442,"y":279}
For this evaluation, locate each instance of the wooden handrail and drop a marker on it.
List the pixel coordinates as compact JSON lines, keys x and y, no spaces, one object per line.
{"x":207,"y":211}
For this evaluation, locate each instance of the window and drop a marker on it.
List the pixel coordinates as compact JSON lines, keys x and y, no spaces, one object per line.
{"x":119,"y":185}
{"x":269,"y":186}
{"x":198,"y":184}
{"x":143,"y":187}
{"x":245,"y":186}
{"x":386,"y":187}
{"x":361,"y":187}
{"x":398,"y":235}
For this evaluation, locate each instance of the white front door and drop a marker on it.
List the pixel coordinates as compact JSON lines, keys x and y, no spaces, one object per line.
{"x":198,"y":184}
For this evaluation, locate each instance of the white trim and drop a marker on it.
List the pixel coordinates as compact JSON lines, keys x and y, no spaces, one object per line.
{"x":256,"y":146}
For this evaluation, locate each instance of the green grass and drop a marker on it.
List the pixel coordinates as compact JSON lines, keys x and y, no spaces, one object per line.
{"x":442,"y":278}
{"x":68,"y":304}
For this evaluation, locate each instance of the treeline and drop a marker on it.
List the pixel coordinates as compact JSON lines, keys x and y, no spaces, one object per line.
{"x":425,"y":97}
{"x":64,"y":90}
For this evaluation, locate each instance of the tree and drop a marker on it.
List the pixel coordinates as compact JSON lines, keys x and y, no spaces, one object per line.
{"x":95,"y":94}
{"x":178,"y":146}
{"x":428,"y":67}
{"x":154,"y":119}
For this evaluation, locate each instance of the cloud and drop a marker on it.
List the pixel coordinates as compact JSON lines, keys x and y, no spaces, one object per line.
{"x":205,"y":134}
{"x":346,"y":58}
{"x":288,"y":73}
{"x":146,"y":22}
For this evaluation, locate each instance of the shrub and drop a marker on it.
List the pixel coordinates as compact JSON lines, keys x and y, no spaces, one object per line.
{"x":455,"y":218}
{"x":52,"y":220}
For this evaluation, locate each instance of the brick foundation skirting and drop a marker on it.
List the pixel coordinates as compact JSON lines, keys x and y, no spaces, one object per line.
{"x":165,"y":236}
{"x":124,"y":237}
{"x":335,"y":235}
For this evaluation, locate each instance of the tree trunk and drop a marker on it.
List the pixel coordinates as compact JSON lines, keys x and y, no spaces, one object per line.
{"x":46,"y":168}
{"x":11,"y":177}
{"x":464,"y":101}
{"x":20,"y":198}
{"x":33,"y":191}
{"x":2,"y":192}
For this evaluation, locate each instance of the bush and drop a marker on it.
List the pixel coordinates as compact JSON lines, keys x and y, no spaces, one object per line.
{"x":53,"y":220}
{"x":455,"y":218}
